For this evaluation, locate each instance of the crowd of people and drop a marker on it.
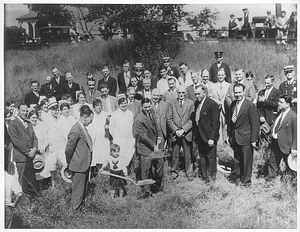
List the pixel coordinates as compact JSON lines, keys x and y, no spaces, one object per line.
{"x":91,"y":128}
{"x":280,"y":28}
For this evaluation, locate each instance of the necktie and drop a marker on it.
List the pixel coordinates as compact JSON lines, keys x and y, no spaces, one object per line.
{"x":278,"y":123}
{"x":150,"y":116}
{"x":115,"y":164}
{"x":267,"y":93}
{"x":235,"y":112}
{"x":88,"y":138}
{"x":198,"y":112}
{"x":180,"y":103}
{"x":184,"y":79}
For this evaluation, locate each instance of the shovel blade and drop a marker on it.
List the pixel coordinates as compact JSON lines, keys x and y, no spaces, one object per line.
{"x":145,"y":182}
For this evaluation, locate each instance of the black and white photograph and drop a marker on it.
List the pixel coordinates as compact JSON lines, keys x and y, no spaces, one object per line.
{"x":150,"y":115}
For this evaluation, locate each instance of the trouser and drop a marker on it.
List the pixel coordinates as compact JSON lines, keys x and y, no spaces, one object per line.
{"x":243,"y":168}
{"x":80,"y":184}
{"x":187,"y":148}
{"x":27,"y":177}
{"x":208,"y":160}
{"x":8,"y":216}
{"x":275,"y":157}
{"x":147,"y":166}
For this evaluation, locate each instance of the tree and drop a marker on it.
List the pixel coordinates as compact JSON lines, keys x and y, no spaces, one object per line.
{"x":206,"y":19}
{"x":54,"y":14}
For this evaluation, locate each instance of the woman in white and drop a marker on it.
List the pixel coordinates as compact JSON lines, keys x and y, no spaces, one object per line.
{"x":45,"y":113}
{"x":66,"y":120}
{"x":41,"y":133}
{"x":101,"y":143}
{"x":81,"y":101}
{"x":120,"y":128}
{"x":56,"y":138}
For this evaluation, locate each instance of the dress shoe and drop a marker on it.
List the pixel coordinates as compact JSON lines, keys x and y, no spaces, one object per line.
{"x":174,"y":175}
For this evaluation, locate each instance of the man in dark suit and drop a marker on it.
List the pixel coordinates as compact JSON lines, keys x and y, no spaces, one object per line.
{"x":110,"y":81}
{"x":289,"y":87}
{"x":284,"y":136}
{"x":148,"y":140}
{"x":25,"y":146}
{"x":33,"y":96}
{"x":71,"y":87}
{"x":47,"y":89}
{"x":243,"y":131}
{"x":92,"y":93}
{"x":146,"y":91}
{"x":246,"y":24}
{"x":171,"y":71}
{"x":249,"y":87}
{"x":124,"y":77}
{"x":215,"y":67}
{"x":58,"y":83}
{"x":267,"y":101}
{"x":180,"y":125}
{"x":206,"y":123}
{"x":79,"y":155}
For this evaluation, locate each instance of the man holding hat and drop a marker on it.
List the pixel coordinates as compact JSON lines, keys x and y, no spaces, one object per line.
{"x":215,"y":67}
{"x":78,"y":156}
{"x":269,"y":25}
{"x":246,"y":22}
{"x":284,"y":136}
{"x":233,"y":26}
{"x":171,"y":71}
{"x":289,"y":87}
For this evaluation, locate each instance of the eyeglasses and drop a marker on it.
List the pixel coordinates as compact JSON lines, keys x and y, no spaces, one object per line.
{"x":166,"y":61}
{"x":181,"y":92}
{"x":290,"y":71}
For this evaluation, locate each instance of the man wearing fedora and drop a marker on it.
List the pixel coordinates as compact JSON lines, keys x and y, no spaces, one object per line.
{"x":267,"y":101}
{"x":284,"y":136}
{"x":246,"y":24}
{"x":79,"y":155}
{"x":171,"y":71}
{"x":25,"y":146}
{"x":269,"y":25}
{"x":289,"y":87}
{"x":109,"y":80}
{"x":233,"y":26}
{"x":215,"y":67}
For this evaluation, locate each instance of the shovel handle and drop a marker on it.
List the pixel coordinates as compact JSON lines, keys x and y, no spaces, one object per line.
{"x":121,"y":177}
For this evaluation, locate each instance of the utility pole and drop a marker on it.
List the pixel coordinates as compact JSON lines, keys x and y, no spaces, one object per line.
{"x":278,"y":9}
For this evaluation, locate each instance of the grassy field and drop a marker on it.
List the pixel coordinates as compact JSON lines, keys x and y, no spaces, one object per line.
{"x":183,"y":204}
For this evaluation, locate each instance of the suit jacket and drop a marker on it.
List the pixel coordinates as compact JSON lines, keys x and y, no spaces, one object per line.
{"x":190,"y":93}
{"x":122,"y":83}
{"x":173,"y":72}
{"x":147,"y":133}
{"x":78,"y":150}
{"x":72,"y":91}
{"x":89,"y":98}
{"x":135,"y":107}
{"x":31,"y":98}
{"x":180,"y":118}
{"x":46,"y":91}
{"x":246,"y":128}
{"x":209,"y":121}
{"x":268,"y":108}
{"x":290,"y":90}
{"x":218,"y":95}
{"x":213,"y":72}
{"x":59,"y":87}
{"x":161,"y":117}
{"x":287,"y":133}
{"x":23,"y":139}
{"x":168,"y":96}
{"x":111,"y":83}
{"x":249,"y":92}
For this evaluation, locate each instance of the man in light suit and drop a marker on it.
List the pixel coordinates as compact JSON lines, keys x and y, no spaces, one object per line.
{"x":206,"y":123}
{"x":218,"y":93}
{"x":284,"y":136}
{"x":180,"y":125}
{"x":79,"y":155}
{"x":269,"y":25}
{"x":92,"y":93}
{"x":215,"y":67}
{"x":124,"y":77}
{"x":160,"y":111}
{"x":267,"y":101}
{"x":25,"y":146}
{"x":171,"y":93}
{"x":109,"y":103}
{"x":185,"y":78}
{"x":243,"y":131}
{"x":191,"y":89}
{"x":148,"y":140}
{"x":249,"y":87}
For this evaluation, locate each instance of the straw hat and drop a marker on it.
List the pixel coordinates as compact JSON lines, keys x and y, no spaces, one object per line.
{"x":66,"y":174}
{"x":52,"y":102}
{"x":38,"y":163}
{"x":292,"y":162}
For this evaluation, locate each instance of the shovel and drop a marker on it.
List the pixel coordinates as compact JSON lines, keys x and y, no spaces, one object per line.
{"x":138,"y":184}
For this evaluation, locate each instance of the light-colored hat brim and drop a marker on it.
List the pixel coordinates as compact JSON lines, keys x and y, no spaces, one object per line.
{"x":64,"y":174}
{"x":292,"y":162}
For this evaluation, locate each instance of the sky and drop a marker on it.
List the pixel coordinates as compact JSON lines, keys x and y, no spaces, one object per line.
{"x":12,"y":11}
